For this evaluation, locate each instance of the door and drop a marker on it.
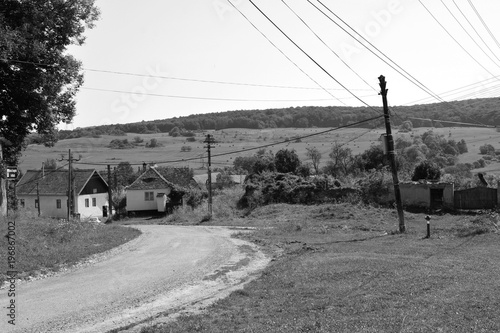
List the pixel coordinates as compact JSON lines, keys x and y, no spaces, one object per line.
{"x":437,"y":197}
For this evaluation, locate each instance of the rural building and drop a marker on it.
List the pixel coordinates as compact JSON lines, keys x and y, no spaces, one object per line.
{"x":427,"y":194}
{"x":49,"y":190}
{"x":151,"y":192}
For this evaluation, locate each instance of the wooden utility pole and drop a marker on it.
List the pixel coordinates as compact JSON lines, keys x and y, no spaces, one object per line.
{"x":391,"y":155}
{"x":209,"y":140}
{"x":110,"y":197}
{"x":38,"y":198}
{"x":70,"y":184}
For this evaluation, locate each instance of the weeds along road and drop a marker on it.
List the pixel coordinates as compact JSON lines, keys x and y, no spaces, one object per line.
{"x":165,"y":270}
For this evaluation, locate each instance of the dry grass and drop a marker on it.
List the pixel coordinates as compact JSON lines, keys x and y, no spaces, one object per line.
{"x":43,"y":245}
{"x":344,"y":268}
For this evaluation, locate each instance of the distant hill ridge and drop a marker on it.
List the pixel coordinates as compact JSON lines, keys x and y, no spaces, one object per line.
{"x":485,"y":111}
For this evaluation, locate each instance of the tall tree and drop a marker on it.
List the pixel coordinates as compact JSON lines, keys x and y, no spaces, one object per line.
{"x":38,"y":78}
{"x":314,"y":154}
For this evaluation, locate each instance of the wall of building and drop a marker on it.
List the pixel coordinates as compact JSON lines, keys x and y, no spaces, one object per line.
{"x":48,"y":205}
{"x":416,"y":194}
{"x":91,"y":211}
{"x":136,"y":199}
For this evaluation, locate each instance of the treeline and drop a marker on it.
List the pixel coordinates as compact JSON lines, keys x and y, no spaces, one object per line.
{"x":485,"y":111}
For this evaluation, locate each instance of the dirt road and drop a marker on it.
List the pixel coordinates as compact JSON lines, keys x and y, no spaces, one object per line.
{"x":166,"y":270}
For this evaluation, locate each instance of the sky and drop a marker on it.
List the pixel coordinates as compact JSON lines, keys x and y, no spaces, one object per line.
{"x":159,"y":59}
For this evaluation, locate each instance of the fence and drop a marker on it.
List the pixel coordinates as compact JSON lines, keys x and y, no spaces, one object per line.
{"x":476,"y":198}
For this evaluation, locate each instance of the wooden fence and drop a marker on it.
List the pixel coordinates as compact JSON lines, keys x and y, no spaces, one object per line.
{"x":476,"y":198}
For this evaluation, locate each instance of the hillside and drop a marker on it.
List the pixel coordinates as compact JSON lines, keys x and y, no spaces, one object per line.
{"x":477,"y":111}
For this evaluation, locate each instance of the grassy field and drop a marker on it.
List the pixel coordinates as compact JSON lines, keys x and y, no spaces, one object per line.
{"x":44,"y":245}
{"x":343,"y":268}
{"x":94,"y":150}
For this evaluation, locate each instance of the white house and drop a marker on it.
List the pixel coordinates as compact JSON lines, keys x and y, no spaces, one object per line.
{"x":152,"y":192}
{"x":48,"y":190}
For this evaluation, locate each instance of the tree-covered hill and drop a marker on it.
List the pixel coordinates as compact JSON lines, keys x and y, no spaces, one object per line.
{"x":485,"y":111}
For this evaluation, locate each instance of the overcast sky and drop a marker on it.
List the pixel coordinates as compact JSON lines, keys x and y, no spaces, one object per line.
{"x":172,"y":47}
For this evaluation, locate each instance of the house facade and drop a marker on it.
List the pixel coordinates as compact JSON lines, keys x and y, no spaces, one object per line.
{"x":152,"y":192}
{"x":47,"y":190}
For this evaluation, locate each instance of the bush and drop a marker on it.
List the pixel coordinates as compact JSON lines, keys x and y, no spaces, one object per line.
{"x":487,"y":149}
{"x":426,"y":170}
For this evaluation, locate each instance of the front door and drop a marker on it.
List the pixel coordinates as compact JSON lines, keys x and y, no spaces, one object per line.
{"x":437,"y":197}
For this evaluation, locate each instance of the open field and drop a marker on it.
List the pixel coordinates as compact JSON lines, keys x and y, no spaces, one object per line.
{"x":231,"y":142}
{"x":341,"y":268}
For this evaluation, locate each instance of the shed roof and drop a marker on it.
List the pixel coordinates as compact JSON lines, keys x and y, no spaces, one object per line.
{"x":151,"y":179}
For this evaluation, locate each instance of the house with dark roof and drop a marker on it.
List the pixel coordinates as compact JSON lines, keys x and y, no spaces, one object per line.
{"x":49,"y":190}
{"x":152,"y":192}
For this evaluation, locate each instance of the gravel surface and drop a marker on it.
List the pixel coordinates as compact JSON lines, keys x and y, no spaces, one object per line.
{"x":165,"y":271}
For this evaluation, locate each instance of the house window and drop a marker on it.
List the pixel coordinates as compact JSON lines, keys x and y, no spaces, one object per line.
{"x":148,"y":196}
{"x":21,"y":202}
{"x":58,"y":203}
{"x":94,"y":202}
{"x":94,"y":190}
{"x":87,"y":202}
{"x":36,"y":203}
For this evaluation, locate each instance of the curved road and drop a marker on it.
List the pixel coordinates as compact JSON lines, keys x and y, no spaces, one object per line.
{"x":163,"y":271}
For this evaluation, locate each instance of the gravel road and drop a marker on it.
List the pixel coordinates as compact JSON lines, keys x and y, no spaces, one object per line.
{"x":165,"y":271}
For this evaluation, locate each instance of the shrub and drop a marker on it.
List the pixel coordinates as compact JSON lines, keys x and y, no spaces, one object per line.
{"x":426,"y":170}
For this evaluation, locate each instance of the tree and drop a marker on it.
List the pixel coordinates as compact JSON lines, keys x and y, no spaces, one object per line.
{"x":462,"y":147}
{"x":426,"y":170}
{"x":342,"y":159}
{"x":487,"y":149}
{"x":124,"y":174}
{"x":286,"y":161}
{"x":38,"y":78}
{"x":315,"y":156}
{"x":50,"y":164}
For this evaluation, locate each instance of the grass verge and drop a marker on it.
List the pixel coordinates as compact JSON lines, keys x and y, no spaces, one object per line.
{"x":344,"y":268}
{"x":44,"y":245}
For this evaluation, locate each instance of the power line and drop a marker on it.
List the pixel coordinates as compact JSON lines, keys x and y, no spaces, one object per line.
{"x":473,"y":28}
{"x":412,"y":80}
{"x":468,"y":34}
{"x":456,"y":41}
{"x":183,"y":79}
{"x":283,"y":53}
{"x":484,"y":23}
{"x":325,"y":44}
{"x":207,"y":98}
{"x":311,"y":58}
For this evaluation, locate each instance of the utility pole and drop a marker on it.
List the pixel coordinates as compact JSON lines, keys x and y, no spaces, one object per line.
{"x":110,"y":205}
{"x":391,"y":155}
{"x":70,"y":183}
{"x":38,"y":198}
{"x":209,"y":141}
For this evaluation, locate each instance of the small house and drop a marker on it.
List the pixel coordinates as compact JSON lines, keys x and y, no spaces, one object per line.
{"x":427,"y":194}
{"x":151,"y":192}
{"x":47,"y":191}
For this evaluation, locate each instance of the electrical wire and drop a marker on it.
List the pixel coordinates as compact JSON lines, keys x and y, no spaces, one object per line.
{"x":311,"y":58}
{"x":456,"y":41}
{"x":283,"y":53}
{"x":484,"y":23}
{"x":327,"y":46}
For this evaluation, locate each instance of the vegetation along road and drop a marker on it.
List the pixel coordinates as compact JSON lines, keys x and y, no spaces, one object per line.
{"x":165,"y":270}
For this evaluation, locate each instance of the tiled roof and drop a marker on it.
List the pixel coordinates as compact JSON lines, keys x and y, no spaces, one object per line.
{"x":52,"y":182}
{"x":150,"y":180}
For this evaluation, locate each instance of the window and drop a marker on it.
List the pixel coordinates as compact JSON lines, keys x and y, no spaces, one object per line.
{"x":94,"y":190}
{"x":87,"y":202}
{"x":94,"y":202}
{"x":58,"y":203}
{"x":36,"y":203}
{"x":148,"y":196}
